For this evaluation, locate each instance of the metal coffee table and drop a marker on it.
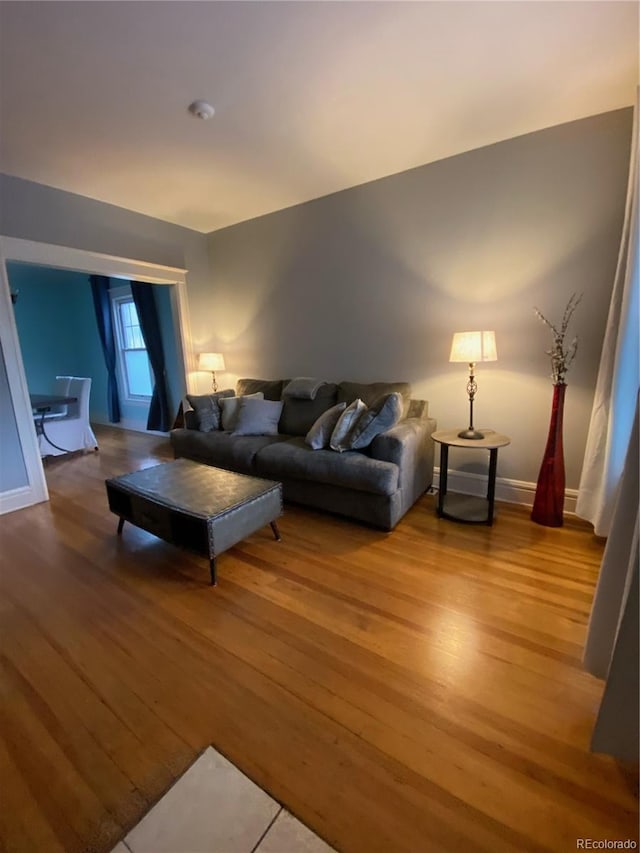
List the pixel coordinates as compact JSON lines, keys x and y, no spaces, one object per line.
{"x":195,"y":506}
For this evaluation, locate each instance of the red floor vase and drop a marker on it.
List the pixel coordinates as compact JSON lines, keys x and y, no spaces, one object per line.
{"x":548,"y":505}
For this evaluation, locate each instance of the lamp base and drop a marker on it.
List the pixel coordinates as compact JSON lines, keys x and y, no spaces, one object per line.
{"x":472,"y":434}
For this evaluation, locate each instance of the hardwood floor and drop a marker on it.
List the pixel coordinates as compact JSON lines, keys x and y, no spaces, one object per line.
{"x":414,"y":691}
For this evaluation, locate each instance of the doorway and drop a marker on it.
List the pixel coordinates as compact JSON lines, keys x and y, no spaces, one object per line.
{"x":32,"y":487}
{"x":58,"y":334}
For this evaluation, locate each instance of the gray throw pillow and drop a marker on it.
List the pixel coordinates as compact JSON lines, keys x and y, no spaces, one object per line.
{"x":348,"y":419}
{"x":383,"y":414}
{"x":206,"y":408}
{"x":231,"y":406}
{"x":320,"y":433}
{"x":369,"y":393}
{"x":258,"y":417}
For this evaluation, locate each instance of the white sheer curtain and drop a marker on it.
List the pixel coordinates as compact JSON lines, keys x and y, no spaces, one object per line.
{"x":619,"y":374}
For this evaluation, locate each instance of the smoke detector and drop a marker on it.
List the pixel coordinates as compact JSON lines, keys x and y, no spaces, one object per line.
{"x":201,"y":109}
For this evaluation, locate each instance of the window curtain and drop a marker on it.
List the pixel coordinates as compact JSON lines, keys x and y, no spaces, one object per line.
{"x":159,"y":417}
{"x":104,"y":319}
{"x":611,"y":650}
{"x":618,"y":375}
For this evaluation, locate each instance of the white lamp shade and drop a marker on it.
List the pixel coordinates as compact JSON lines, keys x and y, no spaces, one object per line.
{"x":211,"y":361}
{"x":473,"y":346}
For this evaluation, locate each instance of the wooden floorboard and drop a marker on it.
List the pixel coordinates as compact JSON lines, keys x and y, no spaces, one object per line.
{"x":414,"y":691}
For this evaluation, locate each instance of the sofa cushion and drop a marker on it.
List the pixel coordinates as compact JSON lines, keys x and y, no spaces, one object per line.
{"x":341,"y":436}
{"x":258,"y":417}
{"x":298,"y":416}
{"x":222,"y":449}
{"x":295,"y":460}
{"x":384,"y":414}
{"x":230,"y":407}
{"x":349,"y":391}
{"x":319,"y":435}
{"x":206,"y":408}
{"x":272,"y":389}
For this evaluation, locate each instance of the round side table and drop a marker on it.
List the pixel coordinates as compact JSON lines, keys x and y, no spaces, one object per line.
{"x":468,"y":508}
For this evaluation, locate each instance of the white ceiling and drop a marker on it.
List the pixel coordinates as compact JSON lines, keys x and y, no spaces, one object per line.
{"x":310,"y":97}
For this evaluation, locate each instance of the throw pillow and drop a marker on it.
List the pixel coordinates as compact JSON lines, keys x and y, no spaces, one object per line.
{"x":231,"y":406}
{"x":320,"y":433}
{"x":207,"y":409}
{"x":384,"y":413}
{"x":258,"y":417}
{"x":340,"y":436}
{"x":369,"y":393}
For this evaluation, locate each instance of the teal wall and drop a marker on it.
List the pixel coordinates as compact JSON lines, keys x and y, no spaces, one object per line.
{"x":58,"y":335}
{"x":57,"y":330}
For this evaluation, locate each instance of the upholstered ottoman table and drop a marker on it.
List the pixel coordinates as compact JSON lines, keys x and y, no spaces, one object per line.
{"x":195,"y":506}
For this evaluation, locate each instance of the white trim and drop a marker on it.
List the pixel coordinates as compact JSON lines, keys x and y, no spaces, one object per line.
{"x":180,"y":310}
{"x":18,"y":499}
{"x":130,"y":424}
{"x":511,"y":491}
{"x":79,"y":260}
{"x":35,"y":491}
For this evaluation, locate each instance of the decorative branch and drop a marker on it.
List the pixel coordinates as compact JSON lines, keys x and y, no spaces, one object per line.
{"x":561,"y":356}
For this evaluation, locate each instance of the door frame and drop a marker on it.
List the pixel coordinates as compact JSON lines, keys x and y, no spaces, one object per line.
{"x":78,"y":260}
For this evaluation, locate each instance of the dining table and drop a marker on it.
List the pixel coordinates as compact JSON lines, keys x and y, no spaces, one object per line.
{"x":43,"y":403}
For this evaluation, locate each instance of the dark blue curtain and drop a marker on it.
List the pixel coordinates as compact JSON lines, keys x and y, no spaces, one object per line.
{"x":159,"y":417}
{"x":102,"y":305}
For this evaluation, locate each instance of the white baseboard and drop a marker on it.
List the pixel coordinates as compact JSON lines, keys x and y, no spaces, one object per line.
{"x":20,"y":498}
{"x":129,"y":424}
{"x":510,"y":491}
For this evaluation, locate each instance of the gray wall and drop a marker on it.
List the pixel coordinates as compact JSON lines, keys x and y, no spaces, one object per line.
{"x":32,"y":211}
{"x":370,"y":283}
{"x":13,"y":473}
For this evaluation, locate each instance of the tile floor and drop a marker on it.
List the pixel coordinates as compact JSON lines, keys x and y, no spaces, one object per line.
{"x":214,"y":808}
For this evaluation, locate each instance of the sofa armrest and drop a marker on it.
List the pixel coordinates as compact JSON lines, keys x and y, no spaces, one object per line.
{"x":410,"y":447}
{"x":190,"y":419}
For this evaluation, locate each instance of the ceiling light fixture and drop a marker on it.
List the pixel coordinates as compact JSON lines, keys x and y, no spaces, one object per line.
{"x":201,"y":109}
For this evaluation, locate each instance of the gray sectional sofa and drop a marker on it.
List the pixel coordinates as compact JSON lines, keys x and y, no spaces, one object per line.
{"x":376,"y":485}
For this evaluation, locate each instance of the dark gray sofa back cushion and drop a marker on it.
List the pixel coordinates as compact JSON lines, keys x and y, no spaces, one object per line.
{"x":298,"y":416}
{"x":271,"y":388}
{"x":369,"y":393}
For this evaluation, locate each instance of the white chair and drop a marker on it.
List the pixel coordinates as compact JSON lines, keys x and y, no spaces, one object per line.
{"x":60,"y":388}
{"x":73,"y":431}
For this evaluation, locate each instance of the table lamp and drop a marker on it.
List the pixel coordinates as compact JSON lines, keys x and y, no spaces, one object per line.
{"x":211,"y":361}
{"x":472,"y":347}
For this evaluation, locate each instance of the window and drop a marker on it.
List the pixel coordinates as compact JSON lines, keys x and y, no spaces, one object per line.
{"x":135,"y":369}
